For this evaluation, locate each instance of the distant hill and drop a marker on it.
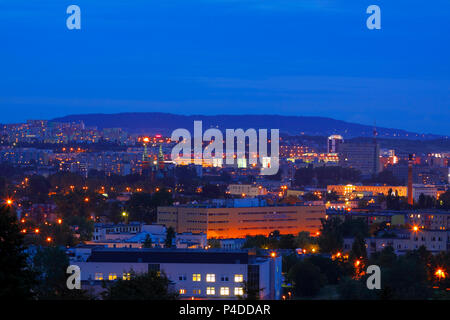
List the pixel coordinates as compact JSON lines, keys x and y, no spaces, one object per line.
{"x":165,"y":123}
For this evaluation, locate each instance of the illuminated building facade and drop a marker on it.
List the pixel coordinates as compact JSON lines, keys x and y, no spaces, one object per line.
{"x":225,"y":221}
{"x":346,"y":190}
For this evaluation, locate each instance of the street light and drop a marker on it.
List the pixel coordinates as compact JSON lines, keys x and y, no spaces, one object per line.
{"x":440,"y":274}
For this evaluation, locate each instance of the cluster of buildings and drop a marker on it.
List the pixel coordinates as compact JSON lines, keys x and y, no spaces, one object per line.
{"x":43,"y":131}
{"x":196,"y":270}
{"x":408,"y":229}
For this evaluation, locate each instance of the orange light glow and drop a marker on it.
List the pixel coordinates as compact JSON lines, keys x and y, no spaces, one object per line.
{"x":59,"y":221}
{"x":36,"y":230}
{"x":86,"y":199}
{"x":49,"y":239}
{"x":357,"y":263}
{"x":9,"y":202}
{"x":440,"y":274}
{"x":416,"y":228}
{"x":273,"y":254}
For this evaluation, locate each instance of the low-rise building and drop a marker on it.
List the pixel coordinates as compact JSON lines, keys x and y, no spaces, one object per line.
{"x":195,"y":274}
{"x":248,"y":190}
{"x":434,"y":241}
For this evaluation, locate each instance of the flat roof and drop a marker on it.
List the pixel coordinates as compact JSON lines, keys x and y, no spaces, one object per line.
{"x":168,"y":256}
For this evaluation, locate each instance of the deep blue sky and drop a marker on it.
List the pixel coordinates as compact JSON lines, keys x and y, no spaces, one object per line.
{"x":292,"y":57}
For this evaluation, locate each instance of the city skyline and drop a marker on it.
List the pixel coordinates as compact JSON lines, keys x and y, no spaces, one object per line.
{"x":316,"y":58}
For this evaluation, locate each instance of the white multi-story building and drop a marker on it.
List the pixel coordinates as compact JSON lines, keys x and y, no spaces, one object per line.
{"x":434,"y":241}
{"x":198,"y":274}
{"x":247,"y":190}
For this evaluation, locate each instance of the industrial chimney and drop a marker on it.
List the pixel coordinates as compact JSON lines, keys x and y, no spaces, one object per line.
{"x":410,"y":184}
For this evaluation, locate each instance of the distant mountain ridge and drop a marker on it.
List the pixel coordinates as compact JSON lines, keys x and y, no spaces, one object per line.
{"x":165,"y":123}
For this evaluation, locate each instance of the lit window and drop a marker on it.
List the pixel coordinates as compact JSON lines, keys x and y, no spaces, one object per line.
{"x":238,"y":278}
{"x":238,"y":291}
{"x":182,"y":291}
{"x":224,"y":291}
{"x":126,"y":276}
{"x":99,"y":276}
{"x":112,"y":276}
{"x":210,"y":277}
{"x":210,"y":291}
{"x":196,"y":277}
{"x":197,"y":291}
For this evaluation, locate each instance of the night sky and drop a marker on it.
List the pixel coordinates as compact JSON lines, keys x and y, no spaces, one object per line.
{"x":290,"y":57}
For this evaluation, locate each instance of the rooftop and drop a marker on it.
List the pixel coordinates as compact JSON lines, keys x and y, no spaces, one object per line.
{"x":168,"y":256}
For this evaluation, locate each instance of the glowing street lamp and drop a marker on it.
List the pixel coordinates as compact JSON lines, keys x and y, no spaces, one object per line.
{"x":125,"y":216}
{"x":9,"y":202}
{"x":440,"y":274}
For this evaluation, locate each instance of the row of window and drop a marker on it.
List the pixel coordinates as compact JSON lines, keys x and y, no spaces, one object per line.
{"x":196,"y":277}
{"x":112,"y":276}
{"x":211,"y":277}
{"x":211,"y":291}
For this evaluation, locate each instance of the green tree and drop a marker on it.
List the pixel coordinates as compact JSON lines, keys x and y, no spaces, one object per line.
{"x":331,"y":237}
{"x":147,"y":242}
{"x":170,"y":235}
{"x":51,"y":265}
{"x":358,"y":248}
{"x":350,"y":289}
{"x":17,"y":280}
{"x":306,"y":278}
{"x":148,"y":286}
{"x":406,"y":279}
{"x":38,"y":189}
{"x":332,"y":270}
